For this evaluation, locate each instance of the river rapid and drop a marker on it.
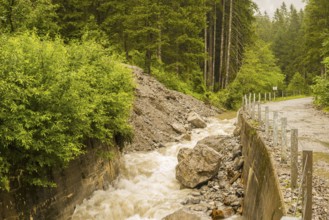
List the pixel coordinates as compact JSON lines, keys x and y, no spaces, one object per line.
{"x":147,"y":188}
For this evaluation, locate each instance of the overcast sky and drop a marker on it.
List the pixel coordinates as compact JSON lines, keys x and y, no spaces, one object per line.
{"x":271,"y":5}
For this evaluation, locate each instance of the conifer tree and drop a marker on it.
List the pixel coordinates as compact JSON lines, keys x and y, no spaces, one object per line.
{"x":316,"y":32}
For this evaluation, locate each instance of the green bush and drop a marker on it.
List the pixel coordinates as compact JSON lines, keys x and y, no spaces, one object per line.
{"x":321,"y":92}
{"x":258,"y":74}
{"x":173,"y":81}
{"x":297,"y":84}
{"x":54,"y":97}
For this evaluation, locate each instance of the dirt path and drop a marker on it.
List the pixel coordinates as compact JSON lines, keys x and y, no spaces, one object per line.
{"x":312,"y":125}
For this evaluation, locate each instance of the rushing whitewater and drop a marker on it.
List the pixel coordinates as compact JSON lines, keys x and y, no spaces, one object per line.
{"x":147,"y":187}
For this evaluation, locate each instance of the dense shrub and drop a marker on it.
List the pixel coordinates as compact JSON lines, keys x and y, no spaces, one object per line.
{"x":193,"y":87}
{"x":321,"y":92}
{"x":54,"y":97}
{"x":258,"y":74}
{"x":297,"y":84}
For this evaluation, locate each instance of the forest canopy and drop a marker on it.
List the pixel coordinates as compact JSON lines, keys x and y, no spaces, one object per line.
{"x":258,"y":74}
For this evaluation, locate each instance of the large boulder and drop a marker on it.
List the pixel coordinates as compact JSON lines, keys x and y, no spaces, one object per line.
{"x":184,"y":214}
{"x":196,"y":120}
{"x":184,"y":153}
{"x":216,"y":142}
{"x":197,"y":166}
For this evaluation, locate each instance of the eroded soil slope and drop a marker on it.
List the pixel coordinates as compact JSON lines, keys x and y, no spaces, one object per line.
{"x":157,"y":109}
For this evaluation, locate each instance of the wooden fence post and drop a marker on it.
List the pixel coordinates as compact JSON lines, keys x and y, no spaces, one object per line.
{"x":283,"y":140}
{"x":294,"y":158}
{"x":267,"y":122}
{"x":253,"y":108}
{"x":275,"y":128}
{"x":259,"y":113}
{"x":307,"y":184}
{"x":246,"y":103}
{"x":249,"y":102}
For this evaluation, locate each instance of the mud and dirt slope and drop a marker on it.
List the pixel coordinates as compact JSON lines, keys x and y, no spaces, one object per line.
{"x":156,"y":109}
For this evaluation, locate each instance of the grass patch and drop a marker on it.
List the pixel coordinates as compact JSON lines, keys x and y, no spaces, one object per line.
{"x":322,"y":172}
{"x":321,"y":157}
{"x":326,"y":144}
{"x":173,"y":81}
{"x":227,"y":115}
{"x":323,"y":109}
{"x":323,"y":143}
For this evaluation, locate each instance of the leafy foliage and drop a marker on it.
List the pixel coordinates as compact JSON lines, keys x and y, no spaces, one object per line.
{"x":297,"y":84}
{"x":321,"y":88}
{"x":175,"y":35}
{"x":285,"y":33}
{"x":54,"y":97}
{"x":288,"y":38}
{"x":258,"y":73}
{"x":316,"y":33}
{"x":19,"y":16}
{"x":321,"y":92}
{"x":173,"y":81}
{"x":298,"y":38}
{"x":263,"y":27}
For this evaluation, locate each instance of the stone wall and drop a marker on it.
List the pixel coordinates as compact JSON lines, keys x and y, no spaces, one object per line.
{"x":263,"y":196}
{"x":78,"y":181}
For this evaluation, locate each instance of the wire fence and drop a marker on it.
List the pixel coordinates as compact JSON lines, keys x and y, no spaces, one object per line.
{"x":277,"y":137}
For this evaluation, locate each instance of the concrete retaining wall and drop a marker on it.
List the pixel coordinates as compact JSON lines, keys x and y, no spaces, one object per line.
{"x":263,"y":197}
{"x":78,"y":181}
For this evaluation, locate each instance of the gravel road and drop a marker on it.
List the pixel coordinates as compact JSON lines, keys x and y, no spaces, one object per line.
{"x":312,"y":125}
{"x":313,"y":129}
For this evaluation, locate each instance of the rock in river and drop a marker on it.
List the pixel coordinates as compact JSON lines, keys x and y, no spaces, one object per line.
{"x":197,"y":166}
{"x":216,"y":142}
{"x":196,"y":120}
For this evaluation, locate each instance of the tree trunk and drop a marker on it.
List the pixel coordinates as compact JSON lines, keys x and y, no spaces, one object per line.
{"x":159,"y":51}
{"x":214,"y":49}
{"x":10,"y":16}
{"x":221,"y":59}
{"x":205,"y":52}
{"x":211,"y":52}
{"x":229,"y":45}
{"x":125,"y":45}
{"x":148,"y":57}
{"x":159,"y":45}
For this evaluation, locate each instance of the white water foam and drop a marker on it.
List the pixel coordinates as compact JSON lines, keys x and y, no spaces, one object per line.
{"x":147,"y":188}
